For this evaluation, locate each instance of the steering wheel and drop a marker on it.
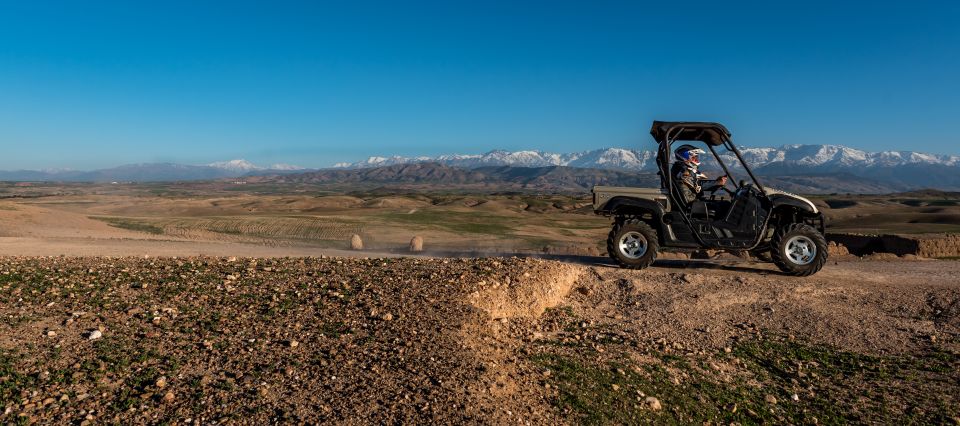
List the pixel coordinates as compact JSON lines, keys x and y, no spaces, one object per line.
{"x":715,"y":189}
{"x":731,"y":193}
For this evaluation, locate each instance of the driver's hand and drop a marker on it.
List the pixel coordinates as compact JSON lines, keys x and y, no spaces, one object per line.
{"x":722,"y":180}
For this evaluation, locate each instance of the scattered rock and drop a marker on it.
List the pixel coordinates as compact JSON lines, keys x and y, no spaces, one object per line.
{"x":387,"y":317}
{"x":293,"y":343}
{"x":835,"y":249}
{"x":168,"y":397}
{"x":770,"y":399}
{"x":795,"y":397}
{"x":161,"y":382}
{"x":51,"y":333}
{"x":653,"y":403}
{"x":94,"y":334}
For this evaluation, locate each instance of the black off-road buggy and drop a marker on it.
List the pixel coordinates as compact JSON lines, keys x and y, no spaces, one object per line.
{"x":773,"y":225}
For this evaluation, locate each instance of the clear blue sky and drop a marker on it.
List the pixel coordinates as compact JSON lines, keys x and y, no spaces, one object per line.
{"x":87,"y":84}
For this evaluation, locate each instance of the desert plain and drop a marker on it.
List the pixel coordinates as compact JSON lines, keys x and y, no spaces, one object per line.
{"x":224,"y":303}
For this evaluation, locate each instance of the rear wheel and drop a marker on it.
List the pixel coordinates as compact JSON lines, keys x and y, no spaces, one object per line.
{"x":633,"y":244}
{"x":799,"y":249}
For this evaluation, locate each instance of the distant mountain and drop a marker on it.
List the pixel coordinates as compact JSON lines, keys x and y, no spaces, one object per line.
{"x":499,"y":178}
{"x":798,"y":168}
{"x":244,"y":166}
{"x":152,"y":172}
{"x":896,"y":169}
{"x":566,"y":179}
{"x":827,"y":158}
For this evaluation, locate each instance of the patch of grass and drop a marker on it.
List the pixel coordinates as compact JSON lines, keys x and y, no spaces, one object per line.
{"x":12,"y":382}
{"x":130,"y":224}
{"x":833,"y":386}
{"x":468,"y":222}
{"x":334,"y":329}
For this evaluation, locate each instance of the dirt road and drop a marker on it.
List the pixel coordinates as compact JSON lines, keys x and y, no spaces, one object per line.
{"x":502,"y":341}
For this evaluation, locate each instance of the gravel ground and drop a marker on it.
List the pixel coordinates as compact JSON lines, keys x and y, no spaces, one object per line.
{"x":501,"y":341}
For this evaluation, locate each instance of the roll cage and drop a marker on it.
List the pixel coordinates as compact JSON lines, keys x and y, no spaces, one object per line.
{"x":665,"y":133}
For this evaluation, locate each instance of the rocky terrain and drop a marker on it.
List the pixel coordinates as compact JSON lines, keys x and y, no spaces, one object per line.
{"x":498,"y":340}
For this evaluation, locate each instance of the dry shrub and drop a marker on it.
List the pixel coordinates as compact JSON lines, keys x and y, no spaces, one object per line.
{"x":416,"y":244}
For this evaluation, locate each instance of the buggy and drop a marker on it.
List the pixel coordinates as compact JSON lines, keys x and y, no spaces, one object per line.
{"x":772,"y":225}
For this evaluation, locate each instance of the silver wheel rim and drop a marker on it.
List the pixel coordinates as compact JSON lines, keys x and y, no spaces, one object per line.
{"x":800,"y":249}
{"x":633,"y":245}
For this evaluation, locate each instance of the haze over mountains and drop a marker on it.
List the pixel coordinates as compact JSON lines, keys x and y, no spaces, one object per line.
{"x":810,"y":168}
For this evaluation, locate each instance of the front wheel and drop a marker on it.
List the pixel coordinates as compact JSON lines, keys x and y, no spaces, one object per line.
{"x":633,"y":244}
{"x":799,"y":250}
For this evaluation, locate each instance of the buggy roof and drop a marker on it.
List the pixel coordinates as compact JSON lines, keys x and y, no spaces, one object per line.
{"x":711,"y":133}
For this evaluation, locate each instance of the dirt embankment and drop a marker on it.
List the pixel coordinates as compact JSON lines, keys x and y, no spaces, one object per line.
{"x":925,"y":245}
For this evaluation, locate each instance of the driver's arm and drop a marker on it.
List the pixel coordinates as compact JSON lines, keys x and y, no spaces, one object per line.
{"x":714,"y":184}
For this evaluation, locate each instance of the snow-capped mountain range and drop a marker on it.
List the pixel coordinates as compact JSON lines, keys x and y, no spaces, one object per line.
{"x":244,"y":166}
{"x":820,"y":158}
{"x":875,"y":171}
{"x":898,"y":170}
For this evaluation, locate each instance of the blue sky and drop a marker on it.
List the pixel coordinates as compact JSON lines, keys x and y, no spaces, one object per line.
{"x":88,"y":84}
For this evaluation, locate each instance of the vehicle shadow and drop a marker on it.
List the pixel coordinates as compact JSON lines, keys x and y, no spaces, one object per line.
{"x":606,"y":262}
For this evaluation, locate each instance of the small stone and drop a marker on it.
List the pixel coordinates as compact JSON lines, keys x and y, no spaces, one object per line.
{"x":770,"y":399}
{"x":51,"y":333}
{"x":653,"y":403}
{"x":168,"y":397}
{"x":293,"y":343}
{"x":48,"y":401}
{"x":795,"y":397}
{"x":727,"y":349}
{"x":161,"y":382}
{"x":94,"y":334}
{"x":615,"y":387}
{"x":387,"y":317}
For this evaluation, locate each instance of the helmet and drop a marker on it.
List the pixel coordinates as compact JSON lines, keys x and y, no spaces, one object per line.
{"x":688,"y":153}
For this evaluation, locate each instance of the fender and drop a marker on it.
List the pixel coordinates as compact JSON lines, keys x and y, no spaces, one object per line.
{"x":785,"y":200}
{"x":619,"y":203}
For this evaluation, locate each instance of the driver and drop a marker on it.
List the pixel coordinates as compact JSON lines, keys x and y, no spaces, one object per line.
{"x":692,"y":182}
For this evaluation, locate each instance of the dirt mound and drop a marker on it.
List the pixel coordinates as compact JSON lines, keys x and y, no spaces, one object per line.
{"x":541,"y":285}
